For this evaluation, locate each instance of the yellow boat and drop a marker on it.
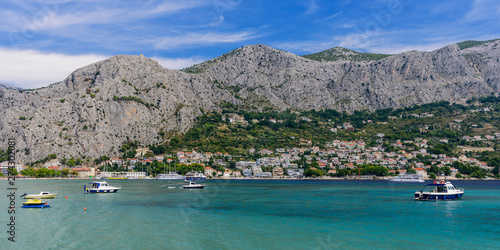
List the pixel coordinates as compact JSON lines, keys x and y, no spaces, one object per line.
{"x":35,"y":203}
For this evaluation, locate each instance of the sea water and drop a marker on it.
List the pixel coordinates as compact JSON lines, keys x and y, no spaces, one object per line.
{"x":254,"y":214}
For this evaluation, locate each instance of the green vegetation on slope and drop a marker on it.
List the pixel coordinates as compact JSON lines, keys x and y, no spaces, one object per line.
{"x":273,"y":130}
{"x":472,"y":43}
{"x":339,"y":53}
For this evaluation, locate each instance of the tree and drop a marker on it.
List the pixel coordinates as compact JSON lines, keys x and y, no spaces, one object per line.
{"x":65,"y":172}
{"x":147,"y":155}
{"x":312,"y":172}
{"x":13,"y":171}
{"x":446,"y":171}
{"x":495,"y":171}
{"x":432,"y":176}
{"x":411,"y":171}
{"x":71,"y":162}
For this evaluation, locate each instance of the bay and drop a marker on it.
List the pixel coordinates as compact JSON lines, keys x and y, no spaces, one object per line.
{"x":255,"y":214}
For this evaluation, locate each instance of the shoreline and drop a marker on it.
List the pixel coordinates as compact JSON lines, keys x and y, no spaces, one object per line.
{"x":290,"y":179}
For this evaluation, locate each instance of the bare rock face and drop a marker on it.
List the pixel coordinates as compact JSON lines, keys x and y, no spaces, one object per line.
{"x":100,"y":106}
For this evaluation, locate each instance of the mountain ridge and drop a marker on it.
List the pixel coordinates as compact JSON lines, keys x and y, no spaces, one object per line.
{"x":126,"y":98}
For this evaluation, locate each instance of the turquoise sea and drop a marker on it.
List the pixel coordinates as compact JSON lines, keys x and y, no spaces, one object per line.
{"x":254,"y":214}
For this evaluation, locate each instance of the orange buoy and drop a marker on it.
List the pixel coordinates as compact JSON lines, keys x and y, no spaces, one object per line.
{"x":84,"y":208}
{"x":442,"y":182}
{"x":66,"y":197}
{"x":435,"y":182}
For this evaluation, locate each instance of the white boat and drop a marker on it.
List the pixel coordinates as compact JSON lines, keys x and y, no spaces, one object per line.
{"x":170,"y":176}
{"x":193,"y":185}
{"x":442,"y":190}
{"x":407,"y":178}
{"x":100,"y":187}
{"x":41,"y":195}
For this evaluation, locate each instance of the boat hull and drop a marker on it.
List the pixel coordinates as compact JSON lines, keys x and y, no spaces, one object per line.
{"x":36,"y":206}
{"x":35,"y":196}
{"x":103,"y":191}
{"x":192,"y":187}
{"x":196,"y":178}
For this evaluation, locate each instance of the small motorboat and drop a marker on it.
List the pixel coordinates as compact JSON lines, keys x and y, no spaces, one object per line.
{"x":100,"y":187}
{"x":41,"y":195}
{"x":193,"y":185}
{"x":35,"y":203}
{"x":442,"y":190}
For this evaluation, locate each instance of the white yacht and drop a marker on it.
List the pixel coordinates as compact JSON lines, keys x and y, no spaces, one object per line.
{"x":170,"y":176}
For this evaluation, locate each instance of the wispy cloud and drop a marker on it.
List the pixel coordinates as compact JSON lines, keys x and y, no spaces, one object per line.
{"x":53,"y":15}
{"x":484,"y":10}
{"x":372,"y":42}
{"x":333,"y":16}
{"x":171,"y":42}
{"x":312,"y":7}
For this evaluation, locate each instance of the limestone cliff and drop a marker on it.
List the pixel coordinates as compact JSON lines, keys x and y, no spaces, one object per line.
{"x":98,"y":107}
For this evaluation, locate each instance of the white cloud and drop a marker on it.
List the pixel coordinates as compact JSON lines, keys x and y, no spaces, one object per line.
{"x":372,"y":42}
{"x":171,"y":6}
{"x":202,"y":38}
{"x":34,"y":69}
{"x":178,"y":63}
{"x":53,"y":16}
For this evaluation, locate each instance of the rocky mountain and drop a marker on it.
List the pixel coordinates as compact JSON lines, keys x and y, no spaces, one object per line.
{"x":7,"y":86}
{"x":100,"y":106}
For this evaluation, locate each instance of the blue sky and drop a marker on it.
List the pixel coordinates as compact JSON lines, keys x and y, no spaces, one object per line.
{"x":42,"y":42}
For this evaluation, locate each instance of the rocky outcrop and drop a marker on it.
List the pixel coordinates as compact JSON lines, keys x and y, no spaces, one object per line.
{"x":7,"y":86}
{"x":100,"y":106}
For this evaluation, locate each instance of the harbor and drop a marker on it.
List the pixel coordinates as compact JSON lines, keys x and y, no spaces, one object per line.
{"x":324,"y":214}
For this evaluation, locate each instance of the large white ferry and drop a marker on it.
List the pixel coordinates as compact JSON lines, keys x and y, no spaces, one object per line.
{"x":170,"y":176}
{"x":408,"y":178}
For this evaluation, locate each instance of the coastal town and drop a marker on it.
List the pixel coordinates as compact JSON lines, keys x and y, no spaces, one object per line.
{"x":337,"y":159}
